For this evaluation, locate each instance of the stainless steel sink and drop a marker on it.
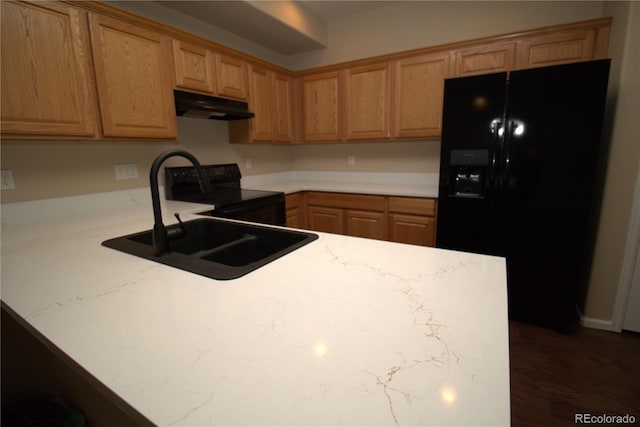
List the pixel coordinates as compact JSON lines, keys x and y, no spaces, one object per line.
{"x":216,"y":248}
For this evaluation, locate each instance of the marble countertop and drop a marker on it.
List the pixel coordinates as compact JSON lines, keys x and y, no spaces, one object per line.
{"x":387,"y":184}
{"x":343,"y":331}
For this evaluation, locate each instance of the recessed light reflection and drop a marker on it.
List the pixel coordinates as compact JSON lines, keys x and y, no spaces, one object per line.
{"x":320,"y":349}
{"x":480,"y":102}
{"x":519,"y":130}
{"x":448,"y":395}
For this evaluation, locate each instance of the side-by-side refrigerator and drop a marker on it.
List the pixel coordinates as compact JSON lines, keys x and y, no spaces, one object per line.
{"x":521,"y":170}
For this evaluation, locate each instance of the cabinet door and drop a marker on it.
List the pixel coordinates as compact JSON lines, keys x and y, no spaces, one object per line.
{"x":294,"y":210}
{"x":556,"y":49}
{"x":367,"y":102}
{"x":135,"y":88}
{"x":419,"y":93}
{"x":365,"y":224}
{"x":293,"y":218}
{"x":193,"y":67}
{"x":261,"y":103}
{"x":231,"y":76}
{"x":283,"y":96}
{"x":485,"y":59}
{"x":47,"y":86}
{"x":329,"y":220}
{"x":322,"y":107}
{"x":412,"y":229}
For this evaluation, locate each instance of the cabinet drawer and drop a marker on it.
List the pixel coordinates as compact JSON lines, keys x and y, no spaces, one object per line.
{"x":412,"y":205}
{"x":346,"y":201}
{"x":411,"y":229}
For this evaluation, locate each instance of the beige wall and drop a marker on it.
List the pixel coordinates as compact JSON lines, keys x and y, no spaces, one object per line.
{"x":54,"y":169}
{"x":624,"y":161}
{"x":411,"y":156}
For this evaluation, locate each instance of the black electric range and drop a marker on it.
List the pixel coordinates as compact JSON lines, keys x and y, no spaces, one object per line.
{"x":227,"y":198}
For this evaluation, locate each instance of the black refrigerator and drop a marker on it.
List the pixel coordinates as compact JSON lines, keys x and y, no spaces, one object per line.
{"x":520,"y":177}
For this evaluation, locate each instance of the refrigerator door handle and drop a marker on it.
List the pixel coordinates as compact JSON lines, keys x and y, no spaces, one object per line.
{"x":496,"y":133}
{"x":512,"y":125}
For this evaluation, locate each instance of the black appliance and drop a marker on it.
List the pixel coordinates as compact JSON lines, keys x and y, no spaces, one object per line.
{"x":200,"y":106}
{"x":520,"y":177}
{"x":229,"y":200}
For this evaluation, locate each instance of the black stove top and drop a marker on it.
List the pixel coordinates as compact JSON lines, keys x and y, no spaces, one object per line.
{"x":181,"y":183}
{"x":224,"y":198}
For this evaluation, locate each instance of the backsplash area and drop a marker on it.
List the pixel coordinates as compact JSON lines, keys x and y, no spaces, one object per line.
{"x":43,"y":170}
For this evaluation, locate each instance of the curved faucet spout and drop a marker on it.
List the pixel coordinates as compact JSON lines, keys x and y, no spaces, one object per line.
{"x":160,"y":236}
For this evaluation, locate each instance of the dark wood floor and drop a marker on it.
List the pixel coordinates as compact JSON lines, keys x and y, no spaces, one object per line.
{"x":555,"y":376}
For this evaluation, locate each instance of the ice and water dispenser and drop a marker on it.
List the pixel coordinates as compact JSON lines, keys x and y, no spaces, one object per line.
{"x":469,"y":169}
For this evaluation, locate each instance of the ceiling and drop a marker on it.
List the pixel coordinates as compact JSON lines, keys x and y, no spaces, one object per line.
{"x":288,"y":27}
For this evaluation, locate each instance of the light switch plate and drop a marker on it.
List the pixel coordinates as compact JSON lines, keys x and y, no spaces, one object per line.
{"x":7,"y":180}
{"x":128,"y":171}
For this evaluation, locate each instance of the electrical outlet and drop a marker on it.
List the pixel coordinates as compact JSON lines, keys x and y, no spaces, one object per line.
{"x":351,"y":160}
{"x":247,"y":163}
{"x":128,"y":171}
{"x":7,"y":180}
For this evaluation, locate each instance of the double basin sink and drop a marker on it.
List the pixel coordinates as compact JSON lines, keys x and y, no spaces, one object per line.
{"x":216,"y":248}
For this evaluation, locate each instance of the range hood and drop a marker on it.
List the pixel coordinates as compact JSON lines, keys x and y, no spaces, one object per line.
{"x":209,"y":107}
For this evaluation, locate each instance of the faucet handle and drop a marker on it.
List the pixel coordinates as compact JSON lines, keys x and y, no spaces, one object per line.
{"x":176,"y":232}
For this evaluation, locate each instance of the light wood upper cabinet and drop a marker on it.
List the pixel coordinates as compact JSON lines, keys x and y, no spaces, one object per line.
{"x":47,"y":86}
{"x":132,"y":67}
{"x":419,"y":94}
{"x":554,"y":49}
{"x":322,"y":106}
{"x":283,"y":97}
{"x":368,"y":101}
{"x":194,"y":67}
{"x":262,"y":104}
{"x":231,"y":76}
{"x":483,"y":59}
{"x":270,"y":99}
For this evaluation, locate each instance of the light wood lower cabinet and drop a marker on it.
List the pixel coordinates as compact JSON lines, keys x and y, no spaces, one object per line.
{"x":412,"y":229}
{"x":371,"y":225}
{"x":294,"y":210}
{"x":412,"y":220}
{"x":326,"y":219}
{"x":397,"y":219}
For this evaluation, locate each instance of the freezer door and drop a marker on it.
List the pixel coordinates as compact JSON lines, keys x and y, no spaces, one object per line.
{"x":554,"y":127}
{"x":471,"y":139}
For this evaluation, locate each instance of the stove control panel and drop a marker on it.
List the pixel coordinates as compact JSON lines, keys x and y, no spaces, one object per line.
{"x":182,"y":181}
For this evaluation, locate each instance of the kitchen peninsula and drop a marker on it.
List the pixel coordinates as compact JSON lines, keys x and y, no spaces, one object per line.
{"x":343,"y":331}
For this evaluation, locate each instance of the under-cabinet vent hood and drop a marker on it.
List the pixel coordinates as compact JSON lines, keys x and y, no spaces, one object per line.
{"x":209,"y":107}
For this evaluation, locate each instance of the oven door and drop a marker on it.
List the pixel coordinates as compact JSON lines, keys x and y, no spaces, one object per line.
{"x":268,"y":210}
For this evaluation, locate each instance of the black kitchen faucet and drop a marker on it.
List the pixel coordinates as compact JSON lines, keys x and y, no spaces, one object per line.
{"x":161,"y":234}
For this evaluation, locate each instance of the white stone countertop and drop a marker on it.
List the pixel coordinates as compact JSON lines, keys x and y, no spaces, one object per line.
{"x":389,"y":184}
{"x":343,"y":331}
